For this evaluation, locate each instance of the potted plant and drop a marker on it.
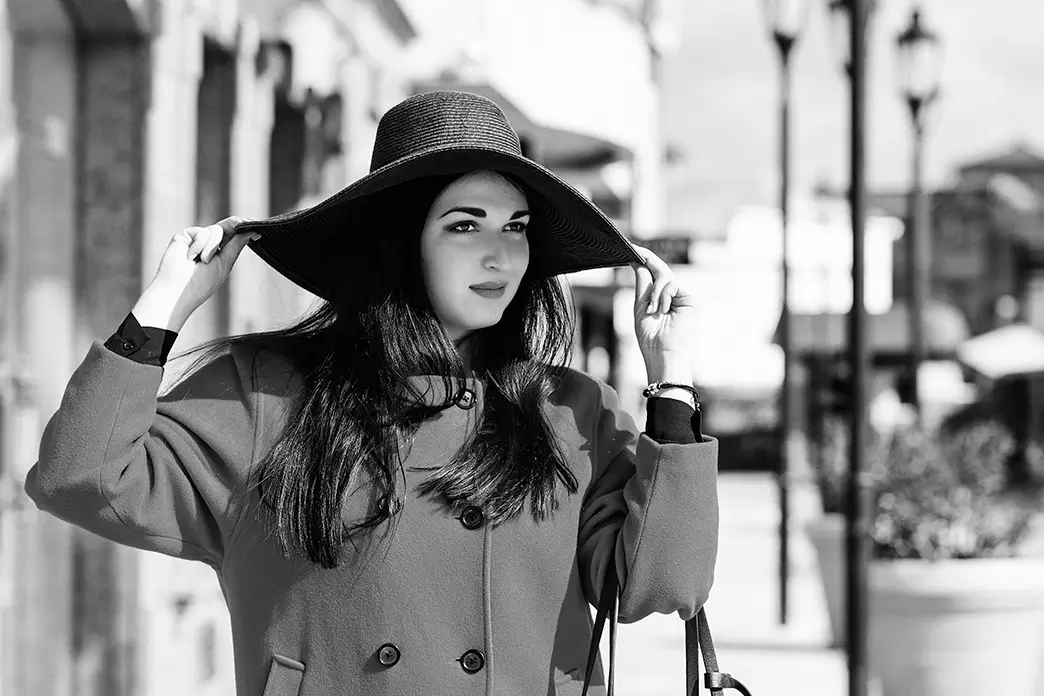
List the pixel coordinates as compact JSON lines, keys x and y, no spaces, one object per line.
{"x":954,"y":607}
{"x":829,"y":455}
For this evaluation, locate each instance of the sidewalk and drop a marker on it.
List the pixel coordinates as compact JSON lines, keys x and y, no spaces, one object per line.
{"x":743,"y":611}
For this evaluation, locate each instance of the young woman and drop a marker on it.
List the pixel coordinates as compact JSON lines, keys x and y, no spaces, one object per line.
{"x":407,"y":492}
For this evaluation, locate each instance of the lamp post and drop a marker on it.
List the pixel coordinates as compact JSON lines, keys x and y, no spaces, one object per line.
{"x":785,"y":19}
{"x":918,"y":67}
{"x":851,"y":19}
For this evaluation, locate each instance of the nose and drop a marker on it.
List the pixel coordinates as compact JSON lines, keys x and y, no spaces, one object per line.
{"x":498,"y":256}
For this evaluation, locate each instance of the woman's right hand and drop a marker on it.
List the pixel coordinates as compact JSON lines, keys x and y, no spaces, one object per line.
{"x":194,"y":265}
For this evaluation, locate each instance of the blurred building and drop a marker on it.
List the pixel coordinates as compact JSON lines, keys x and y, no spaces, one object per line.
{"x":987,"y":270}
{"x":986,"y":239}
{"x":737,"y":280}
{"x":122,"y":121}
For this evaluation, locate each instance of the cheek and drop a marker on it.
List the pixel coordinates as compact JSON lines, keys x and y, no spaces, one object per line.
{"x":520,"y":254}
{"x":441,"y":272}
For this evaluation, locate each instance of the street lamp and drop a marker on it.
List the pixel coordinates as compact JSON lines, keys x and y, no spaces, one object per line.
{"x":839,"y":13}
{"x":850,"y":20}
{"x":918,"y":53}
{"x":785,"y":19}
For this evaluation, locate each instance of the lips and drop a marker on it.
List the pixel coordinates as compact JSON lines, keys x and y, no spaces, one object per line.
{"x":490,"y":290}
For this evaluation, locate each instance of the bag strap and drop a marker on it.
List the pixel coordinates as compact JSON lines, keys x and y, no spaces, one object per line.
{"x":697,"y":640}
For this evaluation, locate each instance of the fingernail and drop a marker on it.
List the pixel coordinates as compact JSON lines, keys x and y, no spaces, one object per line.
{"x":255,"y":237}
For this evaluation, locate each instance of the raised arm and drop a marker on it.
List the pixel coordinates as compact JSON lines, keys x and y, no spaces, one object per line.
{"x":159,"y":474}
{"x":164,"y":474}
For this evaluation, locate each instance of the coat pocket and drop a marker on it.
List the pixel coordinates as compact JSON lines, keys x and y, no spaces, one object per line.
{"x":284,"y":677}
{"x":571,"y":683}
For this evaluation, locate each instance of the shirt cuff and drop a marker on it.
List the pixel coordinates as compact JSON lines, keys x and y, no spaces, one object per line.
{"x":672,"y":421}
{"x":145,"y":345}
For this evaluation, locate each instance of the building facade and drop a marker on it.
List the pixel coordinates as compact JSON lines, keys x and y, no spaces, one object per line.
{"x":122,"y":121}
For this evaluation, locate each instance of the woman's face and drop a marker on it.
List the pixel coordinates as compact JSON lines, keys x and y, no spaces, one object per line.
{"x":474,"y":251}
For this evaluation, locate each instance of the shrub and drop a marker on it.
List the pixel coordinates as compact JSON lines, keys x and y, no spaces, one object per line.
{"x":944,"y":496}
{"x":934,"y":495}
{"x":830,"y":462}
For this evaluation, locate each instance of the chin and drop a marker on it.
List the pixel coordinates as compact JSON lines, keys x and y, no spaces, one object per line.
{"x":479,"y":323}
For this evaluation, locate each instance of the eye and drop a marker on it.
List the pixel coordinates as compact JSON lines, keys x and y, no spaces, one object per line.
{"x":463,"y":227}
{"x":519,"y":227}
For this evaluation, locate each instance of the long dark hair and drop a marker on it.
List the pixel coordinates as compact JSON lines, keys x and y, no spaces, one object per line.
{"x":354,"y":353}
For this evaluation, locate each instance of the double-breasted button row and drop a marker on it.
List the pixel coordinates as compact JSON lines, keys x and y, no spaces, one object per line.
{"x":472,"y":517}
{"x":471,"y":662}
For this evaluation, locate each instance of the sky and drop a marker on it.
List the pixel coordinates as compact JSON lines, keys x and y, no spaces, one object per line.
{"x":720,"y":101}
{"x":720,"y":94}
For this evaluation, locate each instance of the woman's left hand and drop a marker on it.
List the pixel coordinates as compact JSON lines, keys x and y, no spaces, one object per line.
{"x":663,"y":318}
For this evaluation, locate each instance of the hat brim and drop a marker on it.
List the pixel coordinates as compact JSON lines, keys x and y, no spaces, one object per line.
{"x":577,"y":236}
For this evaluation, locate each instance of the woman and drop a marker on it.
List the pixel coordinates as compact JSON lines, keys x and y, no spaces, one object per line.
{"x":407,"y":492}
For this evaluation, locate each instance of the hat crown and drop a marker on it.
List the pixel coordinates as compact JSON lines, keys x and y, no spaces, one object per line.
{"x":442,"y":119}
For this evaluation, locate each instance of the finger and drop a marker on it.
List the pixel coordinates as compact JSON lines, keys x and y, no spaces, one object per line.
{"x":643,"y":282}
{"x":234,"y":247}
{"x":197,"y":239}
{"x":652,"y":261}
{"x":215,"y":235}
{"x":184,"y":237}
{"x":660,"y":282}
{"x":681,"y":298}
{"x":229,"y":231}
{"x":661,"y":275}
{"x":667,"y":297}
{"x":229,"y":224}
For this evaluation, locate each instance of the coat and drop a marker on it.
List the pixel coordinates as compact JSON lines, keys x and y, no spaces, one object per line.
{"x":442,"y":603}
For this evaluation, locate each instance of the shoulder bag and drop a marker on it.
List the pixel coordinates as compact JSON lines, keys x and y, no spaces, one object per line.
{"x":697,"y":640}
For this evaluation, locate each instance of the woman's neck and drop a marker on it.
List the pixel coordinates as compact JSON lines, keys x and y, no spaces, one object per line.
{"x":466,"y":347}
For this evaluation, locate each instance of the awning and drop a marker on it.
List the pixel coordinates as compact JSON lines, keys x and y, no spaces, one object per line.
{"x":1025,"y":224}
{"x":889,"y":333}
{"x":1013,"y":350}
{"x":555,"y":148}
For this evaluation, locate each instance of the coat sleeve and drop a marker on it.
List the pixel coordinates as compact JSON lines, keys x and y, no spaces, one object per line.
{"x":160,"y":474}
{"x":651,"y":515}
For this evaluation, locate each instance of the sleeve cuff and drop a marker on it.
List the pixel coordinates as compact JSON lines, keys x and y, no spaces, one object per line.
{"x":672,"y":421}
{"x":146,"y":345}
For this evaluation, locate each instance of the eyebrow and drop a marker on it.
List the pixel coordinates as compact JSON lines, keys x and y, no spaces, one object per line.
{"x":480,"y":213}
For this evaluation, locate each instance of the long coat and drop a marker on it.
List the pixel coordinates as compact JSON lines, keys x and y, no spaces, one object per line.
{"x":439,"y":602}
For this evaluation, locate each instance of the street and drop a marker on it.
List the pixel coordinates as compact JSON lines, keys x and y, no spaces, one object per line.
{"x":768,"y":658}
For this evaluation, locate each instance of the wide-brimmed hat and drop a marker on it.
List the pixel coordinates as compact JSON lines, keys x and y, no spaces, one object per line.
{"x":433,"y":134}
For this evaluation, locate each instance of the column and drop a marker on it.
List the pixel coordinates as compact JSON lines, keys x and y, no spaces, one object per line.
{"x":113,"y":108}
{"x":37,"y":176}
{"x":215,"y":110}
{"x":252,"y":279}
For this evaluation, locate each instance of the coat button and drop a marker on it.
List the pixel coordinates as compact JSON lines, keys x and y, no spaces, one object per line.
{"x":388,"y":654}
{"x":128,"y":345}
{"x":472,"y":661}
{"x":466,"y":400}
{"x":472,"y":517}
